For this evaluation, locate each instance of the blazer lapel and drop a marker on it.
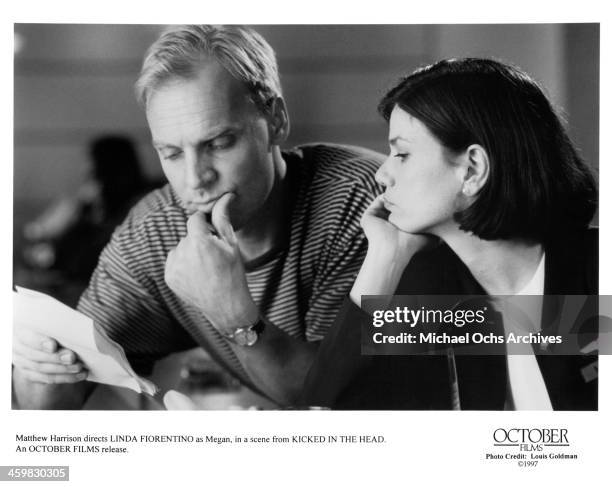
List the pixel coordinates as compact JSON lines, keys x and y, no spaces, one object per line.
{"x":482,"y":379}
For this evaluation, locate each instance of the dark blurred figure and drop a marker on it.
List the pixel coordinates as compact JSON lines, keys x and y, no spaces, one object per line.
{"x":118,"y":174}
{"x":66,"y":239}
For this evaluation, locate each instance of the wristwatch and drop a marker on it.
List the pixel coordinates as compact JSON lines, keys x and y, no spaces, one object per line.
{"x":247,"y":336}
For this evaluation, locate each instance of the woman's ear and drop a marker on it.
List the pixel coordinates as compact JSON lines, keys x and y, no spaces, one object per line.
{"x":278,"y":121}
{"x":476,"y":162}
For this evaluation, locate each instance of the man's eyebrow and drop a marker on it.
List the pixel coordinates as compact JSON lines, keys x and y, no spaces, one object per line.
{"x":221,"y":132}
{"x":162,"y":145}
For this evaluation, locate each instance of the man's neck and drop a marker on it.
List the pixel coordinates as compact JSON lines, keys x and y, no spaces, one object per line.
{"x":265,"y":231}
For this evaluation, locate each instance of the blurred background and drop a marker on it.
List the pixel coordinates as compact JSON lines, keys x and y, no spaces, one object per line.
{"x":73,"y":93}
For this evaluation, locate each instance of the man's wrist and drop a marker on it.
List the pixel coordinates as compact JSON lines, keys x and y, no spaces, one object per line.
{"x":247,"y":318}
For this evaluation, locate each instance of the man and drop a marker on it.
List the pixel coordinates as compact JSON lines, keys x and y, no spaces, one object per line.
{"x":247,"y":252}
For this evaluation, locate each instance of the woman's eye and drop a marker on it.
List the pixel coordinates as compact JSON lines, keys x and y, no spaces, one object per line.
{"x":223,"y":142}
{"x":401,"y":155}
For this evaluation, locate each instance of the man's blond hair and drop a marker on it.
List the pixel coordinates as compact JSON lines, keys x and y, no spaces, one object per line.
{"x":180,"y":51}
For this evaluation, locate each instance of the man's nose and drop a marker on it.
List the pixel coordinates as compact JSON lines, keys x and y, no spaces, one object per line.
{"x":383,"y":175}
{"x":199,"y":173}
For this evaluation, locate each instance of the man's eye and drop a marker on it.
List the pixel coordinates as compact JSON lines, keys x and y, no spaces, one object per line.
{"x":223,"y":142}
{"x":401,"y":155}
{"x":172,"y":156}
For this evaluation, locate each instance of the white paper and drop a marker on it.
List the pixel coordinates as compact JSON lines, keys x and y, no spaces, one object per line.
{"x":104,"y":358}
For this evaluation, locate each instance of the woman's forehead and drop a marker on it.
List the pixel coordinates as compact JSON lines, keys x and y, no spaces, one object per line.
{"x":405,"y":128}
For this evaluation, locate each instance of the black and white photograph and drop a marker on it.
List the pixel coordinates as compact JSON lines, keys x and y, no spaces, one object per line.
{"x":233,"y":240}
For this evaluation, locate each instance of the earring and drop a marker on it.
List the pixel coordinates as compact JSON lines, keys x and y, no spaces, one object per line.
{"x":466,"y":191}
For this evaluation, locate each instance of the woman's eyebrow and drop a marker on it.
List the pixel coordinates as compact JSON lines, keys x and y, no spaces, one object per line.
{"x":397,"y":139}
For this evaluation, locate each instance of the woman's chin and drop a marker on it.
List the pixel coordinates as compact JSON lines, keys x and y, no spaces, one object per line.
{"x":404,"y":225}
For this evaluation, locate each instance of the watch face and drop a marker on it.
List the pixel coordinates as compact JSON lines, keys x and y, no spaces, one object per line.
{"x":245,"y":337}
{"x":251,"y":337}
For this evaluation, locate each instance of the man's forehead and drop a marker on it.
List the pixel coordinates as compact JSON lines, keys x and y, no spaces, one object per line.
{"x":211,"y":98}
{"x":209,"y":80}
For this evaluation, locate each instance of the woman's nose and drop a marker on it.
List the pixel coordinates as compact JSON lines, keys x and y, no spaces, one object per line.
{"x":383,"y":177}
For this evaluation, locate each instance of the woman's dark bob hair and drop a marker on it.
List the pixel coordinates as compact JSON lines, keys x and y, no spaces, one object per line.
{"x":538,"y":187}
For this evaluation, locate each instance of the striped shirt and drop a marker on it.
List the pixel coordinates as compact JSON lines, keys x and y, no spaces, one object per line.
{"x":298,"y":287}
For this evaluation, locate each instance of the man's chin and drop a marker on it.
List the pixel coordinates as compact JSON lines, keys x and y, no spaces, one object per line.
{"x":192,"y":208}
{"x":237,"y":223}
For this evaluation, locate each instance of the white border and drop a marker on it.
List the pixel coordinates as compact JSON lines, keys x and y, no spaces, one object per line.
{"x":436,"y":447}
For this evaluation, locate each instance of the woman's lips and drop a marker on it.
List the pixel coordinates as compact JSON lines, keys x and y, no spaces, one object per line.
{"x":386,"y":203}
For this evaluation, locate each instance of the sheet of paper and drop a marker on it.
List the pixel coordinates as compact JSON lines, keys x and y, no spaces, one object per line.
{"x":104,"y":358}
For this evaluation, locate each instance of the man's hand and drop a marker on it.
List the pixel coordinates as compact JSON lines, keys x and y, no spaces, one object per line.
{"x":175,"y":401}
{"x":206,"y":270}
{"x":38,"y":358}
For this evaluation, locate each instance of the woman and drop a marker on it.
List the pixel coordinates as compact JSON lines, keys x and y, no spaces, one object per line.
{"x":479,"y":159}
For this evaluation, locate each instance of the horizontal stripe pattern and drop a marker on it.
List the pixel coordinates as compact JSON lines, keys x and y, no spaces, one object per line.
{"x":299,"y":288}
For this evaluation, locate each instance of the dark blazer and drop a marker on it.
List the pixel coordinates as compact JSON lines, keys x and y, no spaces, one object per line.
{"x":341,"y":378}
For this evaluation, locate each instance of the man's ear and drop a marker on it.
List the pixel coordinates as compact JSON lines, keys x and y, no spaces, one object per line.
{"x":278,"y":121}
{"x":477,"y":168}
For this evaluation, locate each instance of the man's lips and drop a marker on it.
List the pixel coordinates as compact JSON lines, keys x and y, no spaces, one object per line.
{"x":203,"y":205}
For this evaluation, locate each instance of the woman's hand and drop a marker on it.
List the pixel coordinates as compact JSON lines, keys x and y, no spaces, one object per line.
{"x":389,"y":252}
{"x":385,"y":240}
